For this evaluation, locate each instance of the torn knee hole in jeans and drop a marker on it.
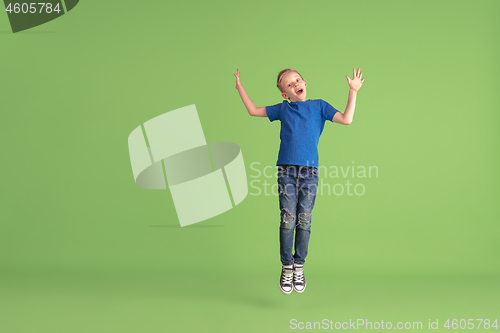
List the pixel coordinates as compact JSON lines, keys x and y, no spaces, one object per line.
{"x":304,"y":216}
{"x":304,"y":221}
{"x":287,"y":219}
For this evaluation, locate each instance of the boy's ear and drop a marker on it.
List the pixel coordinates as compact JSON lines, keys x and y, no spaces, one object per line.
{"x":284,"y":95}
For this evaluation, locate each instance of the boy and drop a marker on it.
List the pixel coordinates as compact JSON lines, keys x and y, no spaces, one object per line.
{"x":302,"y":122}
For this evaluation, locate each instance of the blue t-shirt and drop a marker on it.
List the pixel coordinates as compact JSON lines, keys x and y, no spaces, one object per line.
{"x":301,"y":126}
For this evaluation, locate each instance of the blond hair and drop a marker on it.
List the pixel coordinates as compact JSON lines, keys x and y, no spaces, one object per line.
{"x":282,"y":74}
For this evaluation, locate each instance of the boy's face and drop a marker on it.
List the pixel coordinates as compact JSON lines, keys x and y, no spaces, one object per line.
{"x":294,"y":87}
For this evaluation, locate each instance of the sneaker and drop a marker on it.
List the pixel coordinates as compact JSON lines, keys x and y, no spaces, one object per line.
{"x":299,"y":280}
{"x":286,"y":279}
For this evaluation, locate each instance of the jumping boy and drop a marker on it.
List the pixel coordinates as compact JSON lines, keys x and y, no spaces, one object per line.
{"x":302,"y":123}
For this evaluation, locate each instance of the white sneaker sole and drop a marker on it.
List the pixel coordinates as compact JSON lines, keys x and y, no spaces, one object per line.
{"x":300,"y":291}
{"x":283,"y":291}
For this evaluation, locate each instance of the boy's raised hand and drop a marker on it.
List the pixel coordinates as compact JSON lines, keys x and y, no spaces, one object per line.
{"x":238,"y":82}
{"x":356,"y":81}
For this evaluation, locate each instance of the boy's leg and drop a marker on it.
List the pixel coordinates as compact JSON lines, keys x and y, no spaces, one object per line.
{"x":308,"y":186}
{"x":287,"y":183}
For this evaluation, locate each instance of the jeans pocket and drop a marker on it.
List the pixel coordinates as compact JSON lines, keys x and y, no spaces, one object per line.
{"x":281,"y":169}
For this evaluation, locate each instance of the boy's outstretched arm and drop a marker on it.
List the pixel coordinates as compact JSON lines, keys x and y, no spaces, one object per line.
{"x":354,"y":85}
{"x":253,"y":110}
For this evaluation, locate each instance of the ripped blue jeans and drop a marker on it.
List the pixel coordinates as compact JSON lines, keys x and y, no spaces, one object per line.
{"x":297,"y":192}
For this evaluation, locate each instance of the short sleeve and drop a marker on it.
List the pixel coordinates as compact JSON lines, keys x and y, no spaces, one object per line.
{"x":273,"y":112}
{"x":328,"y":111}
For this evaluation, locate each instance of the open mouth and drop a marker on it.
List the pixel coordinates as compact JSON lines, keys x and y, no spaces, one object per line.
{"x":300,"y":91}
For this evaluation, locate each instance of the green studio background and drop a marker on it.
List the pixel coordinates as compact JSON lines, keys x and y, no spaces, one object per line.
{"x":84,"y":249}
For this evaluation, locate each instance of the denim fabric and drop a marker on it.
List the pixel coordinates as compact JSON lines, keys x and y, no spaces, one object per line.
{"x":297,"y":192}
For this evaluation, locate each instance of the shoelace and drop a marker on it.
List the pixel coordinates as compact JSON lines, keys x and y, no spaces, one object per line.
{"x":298,"y":276}
{"x":286,"y":278}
